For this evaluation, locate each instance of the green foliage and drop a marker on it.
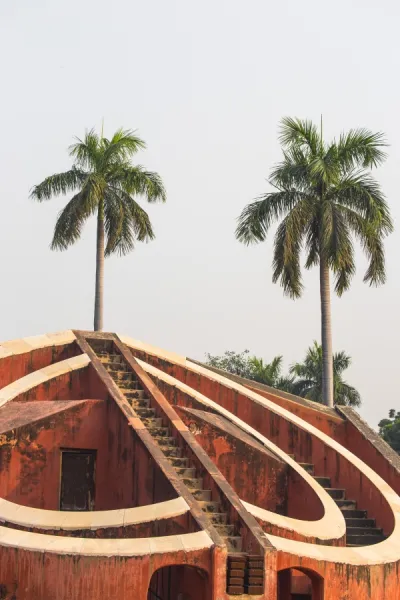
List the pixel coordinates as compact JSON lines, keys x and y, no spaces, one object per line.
{"x":304,"y":379}
{"x":232,"y":362}
{"x":253,"y":368}
{"x":103,"y":178}
{"x":389,"y":429}
{"x":323,"y":196}
{"x":308,"y":378}
{"x":270,"y":373}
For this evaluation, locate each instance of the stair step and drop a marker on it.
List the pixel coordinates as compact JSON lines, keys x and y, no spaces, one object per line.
{"x":138,"y":393}
{"x":203,"y":495}
{"x":146,"y":412}
{"x":210,"y":507}
{"x":307,"y":467}
{"x":351,"y":531}
{"x":172,"y":451}
{"x":345,"y":503}
{"x":186,"y":471}
{"x":112,"y":358}
{"x":164,"y":440}
{"x":236,"y":581}
{"x":364,"y":540}
{"x":235,"y":590}
{"x":178,"y":461}
{"x":233,"y":543}
{"x":255,"y":590}
{"x":324,"y":481}
{"x":128,"y":387}
{"x":218,"y":518}
{"x":140,"y":403}
{"x":114,"y":367}
{"x":156,"y":428}
{"x":123,"y":376}
{"x":363,"y":522}
{"x":237,"y":561}
{"x":225,"y":530}
{"x":193,"y":483}
{"x":353,"y":513}
{"x":336,"y":493}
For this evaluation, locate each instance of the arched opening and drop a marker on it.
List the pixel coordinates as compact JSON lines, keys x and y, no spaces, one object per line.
{"x":300,"y":584}
{"x":179,"y":582}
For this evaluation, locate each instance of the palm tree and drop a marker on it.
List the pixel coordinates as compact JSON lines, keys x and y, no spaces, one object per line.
{"x":103,"y":182}
{"x":270,"y":373}
{"x":323,"y":196}
{"x":309,"y":378}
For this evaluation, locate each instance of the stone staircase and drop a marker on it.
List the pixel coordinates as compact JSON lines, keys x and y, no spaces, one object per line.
{"x":360,"y":529}
{"x":245,"y":574}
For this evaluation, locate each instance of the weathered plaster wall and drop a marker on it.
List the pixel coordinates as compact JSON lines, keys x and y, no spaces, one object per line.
{"x":18,"y":365}
{"x":30,"y":459}
{"x":346,"y":582}
{"x":255,"y":475}
{"x":28,"y":575}
{"x":77,"y":385}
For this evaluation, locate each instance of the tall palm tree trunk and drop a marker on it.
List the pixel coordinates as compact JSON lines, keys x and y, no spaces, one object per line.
{"x":98,"y":300}
{"x":326,"y":333}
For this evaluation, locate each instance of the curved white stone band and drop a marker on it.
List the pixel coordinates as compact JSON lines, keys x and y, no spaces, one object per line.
{"x":38,"y":518}
{"x":35,"y":342}
{"x":55,"y":544}
{"x":34,"y":379}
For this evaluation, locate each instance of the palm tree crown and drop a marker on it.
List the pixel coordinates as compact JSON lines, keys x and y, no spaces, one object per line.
{"x":308,"y":382}
{"x":103,"y":181}
{"x":270,"y":373}
{"x":323,"y":195}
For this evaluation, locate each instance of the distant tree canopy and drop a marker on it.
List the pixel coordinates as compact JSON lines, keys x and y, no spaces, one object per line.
{"x":304,"y":379}
{"x":389,"y":429}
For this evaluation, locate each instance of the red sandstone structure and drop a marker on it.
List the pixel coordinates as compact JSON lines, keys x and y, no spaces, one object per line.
{"x":131,"y":473}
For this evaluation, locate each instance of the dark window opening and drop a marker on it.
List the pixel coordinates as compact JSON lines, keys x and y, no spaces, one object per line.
{"x":78,"y":469}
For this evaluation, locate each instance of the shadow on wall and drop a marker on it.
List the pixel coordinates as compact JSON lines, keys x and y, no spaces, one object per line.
{"x":179,"y":582}
{"x":300,"y":584}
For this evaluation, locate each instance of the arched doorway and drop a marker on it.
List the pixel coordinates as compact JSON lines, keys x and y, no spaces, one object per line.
{"x":179,"y":582}
{"x":300,"y":584}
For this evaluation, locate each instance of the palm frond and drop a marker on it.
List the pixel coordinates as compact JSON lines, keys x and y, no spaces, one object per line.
{"x":126,"y":223}
{"x":288,"y":244}
{"x":337,"y":247}
{"x":122,"y":146}
{"x":286,"y":260}
{"x":118,"y":229}
{"x":371,"y":241}
{"x":360,"y":192}
{"x":257,"y":217}
{"x":137,"y":181}
{"x":71,"y":219}
{"x":341,"y":362}
{"x":361,"y":147}
{"x":312,"y":243}
{"x":87,"y":153}
{"x":59,"y":183}
{"x":300,"y":133}
{"x":347,"y":395}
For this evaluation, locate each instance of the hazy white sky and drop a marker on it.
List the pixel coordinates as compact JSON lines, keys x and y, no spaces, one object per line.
{"x":205,"y":83}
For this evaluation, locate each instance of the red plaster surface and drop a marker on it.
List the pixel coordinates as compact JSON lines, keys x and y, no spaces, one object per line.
{"x":127,"y":476}
{"x":17,"y":366}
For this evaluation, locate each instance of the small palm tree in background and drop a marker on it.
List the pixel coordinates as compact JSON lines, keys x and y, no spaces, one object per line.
{"x":323,"y":196}
{"x":309,"y":378}
{"x":103,"y":183}
{"x":270,"y":373}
